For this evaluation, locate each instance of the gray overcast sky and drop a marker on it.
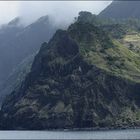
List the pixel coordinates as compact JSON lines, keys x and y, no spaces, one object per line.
{"x":61,"y":11}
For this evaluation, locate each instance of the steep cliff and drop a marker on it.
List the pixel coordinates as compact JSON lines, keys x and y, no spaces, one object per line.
{"x":81,"y":79}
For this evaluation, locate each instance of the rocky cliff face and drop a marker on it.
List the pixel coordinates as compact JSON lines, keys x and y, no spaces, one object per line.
{"x":65,"y":89}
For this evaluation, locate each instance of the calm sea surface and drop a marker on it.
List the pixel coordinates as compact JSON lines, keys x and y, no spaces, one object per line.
{"x":111,"y":134}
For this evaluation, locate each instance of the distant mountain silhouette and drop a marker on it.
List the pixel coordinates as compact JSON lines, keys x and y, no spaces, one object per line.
{"x":122,"y":9}
{"x":14,"y":22}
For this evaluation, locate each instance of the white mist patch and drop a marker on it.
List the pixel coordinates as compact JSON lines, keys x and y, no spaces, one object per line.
{"x":61,"y":12}
{"x":8,"y":11}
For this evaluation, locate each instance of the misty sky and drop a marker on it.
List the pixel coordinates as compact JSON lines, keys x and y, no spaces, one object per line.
{"x":61,"y":11}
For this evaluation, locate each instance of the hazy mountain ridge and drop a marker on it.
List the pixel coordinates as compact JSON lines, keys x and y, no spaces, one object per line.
{"x":83,"y":78}
{"x":121,"y":10}
{"x":16,"y":77}
{"x":18,"y":43}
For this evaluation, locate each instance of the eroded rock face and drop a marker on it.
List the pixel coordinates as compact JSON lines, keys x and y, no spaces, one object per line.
{"x":63,"y":90}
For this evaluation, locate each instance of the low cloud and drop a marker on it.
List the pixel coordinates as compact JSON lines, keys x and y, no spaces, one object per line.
{"x":62,"y":12}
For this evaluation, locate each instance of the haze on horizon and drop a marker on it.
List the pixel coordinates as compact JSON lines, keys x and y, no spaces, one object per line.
{"x":62,"y":12}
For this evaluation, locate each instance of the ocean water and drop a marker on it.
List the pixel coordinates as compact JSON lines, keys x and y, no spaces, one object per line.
{"x":107,"y":134}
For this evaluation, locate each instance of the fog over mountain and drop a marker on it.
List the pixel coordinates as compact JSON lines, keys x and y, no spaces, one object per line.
{"x":60,"y":11}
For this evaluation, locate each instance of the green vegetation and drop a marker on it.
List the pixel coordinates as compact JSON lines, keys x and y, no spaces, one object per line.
{"x":108,"y":51}
{"x":118,"y":60}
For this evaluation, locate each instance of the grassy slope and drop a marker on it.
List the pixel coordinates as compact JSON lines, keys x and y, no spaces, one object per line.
{"x":116,"y":56}
{"x":119,"y":60}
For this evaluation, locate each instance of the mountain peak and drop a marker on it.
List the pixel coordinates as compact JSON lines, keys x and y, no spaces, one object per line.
{"x":43,"y":19}
{"x":14,"y":22}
